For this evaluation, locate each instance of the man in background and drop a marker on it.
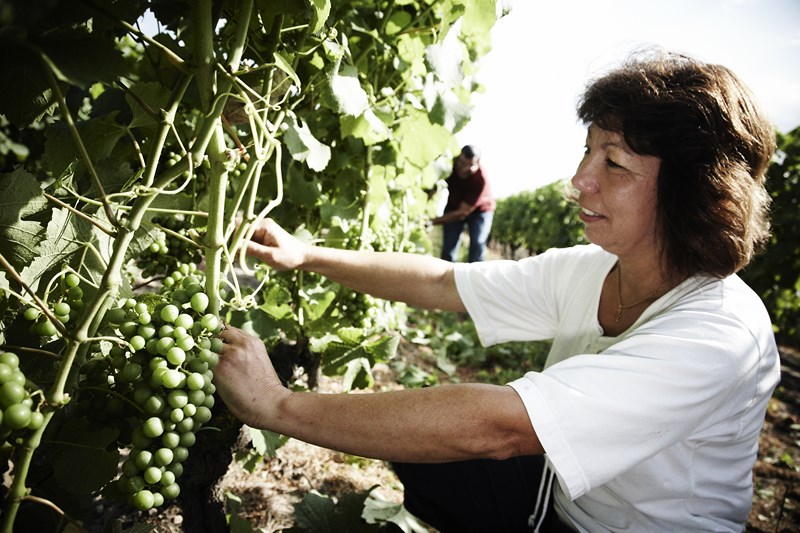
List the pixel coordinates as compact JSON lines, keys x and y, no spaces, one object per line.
{"x":470,"y":202}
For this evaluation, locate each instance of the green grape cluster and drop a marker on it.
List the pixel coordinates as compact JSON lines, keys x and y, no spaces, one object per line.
{"x":166,"y":374}
{"x":167,"y":252}
{"x":19,"y":413}
{"x":67,"y":302}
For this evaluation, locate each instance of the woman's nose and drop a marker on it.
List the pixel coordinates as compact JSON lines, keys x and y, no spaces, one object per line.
{"x":585,"y":178}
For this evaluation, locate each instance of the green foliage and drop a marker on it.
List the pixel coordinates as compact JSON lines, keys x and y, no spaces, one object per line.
{"x":537,"y":220}
{"x":454,"y":340}
{"x":775,"y":275}
{"x":122,"y":153}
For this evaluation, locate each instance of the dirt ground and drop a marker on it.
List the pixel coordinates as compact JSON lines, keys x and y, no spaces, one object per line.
{"x":269,"y":494}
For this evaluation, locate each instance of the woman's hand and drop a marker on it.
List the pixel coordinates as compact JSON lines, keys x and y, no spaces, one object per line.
{"x":276,"y":247}
{"x":246,"y":380}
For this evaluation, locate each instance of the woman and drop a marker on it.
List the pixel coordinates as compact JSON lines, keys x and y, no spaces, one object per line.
{"x":662,"y":362}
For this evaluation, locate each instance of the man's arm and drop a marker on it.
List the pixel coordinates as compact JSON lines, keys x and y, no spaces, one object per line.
{"x":463,"y":211}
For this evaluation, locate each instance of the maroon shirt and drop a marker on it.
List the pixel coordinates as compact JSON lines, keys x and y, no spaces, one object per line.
{"x":474,"y":190}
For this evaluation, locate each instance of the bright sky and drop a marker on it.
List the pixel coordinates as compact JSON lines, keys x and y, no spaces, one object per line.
{"x":544,"y":52}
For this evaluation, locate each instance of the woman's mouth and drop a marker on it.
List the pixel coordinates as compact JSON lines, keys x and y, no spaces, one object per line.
{"x":587,"y":215}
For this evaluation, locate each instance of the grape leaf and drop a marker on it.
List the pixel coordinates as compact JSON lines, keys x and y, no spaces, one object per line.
{"x":420,"y":141}
{"x":66,"y":234}
{"x":99,"y":135}
{"x":320,"y":10}
{"x":82,"y":463}
{"x":25,"y":95}
{"x":304,"y":146}
{"x":444,"y":59}
{"x":345,"y":89}
{"x":20,"y":198}
{"x":155,"y":95}
{"x":320,"y":514}
{"x":81,"y":58}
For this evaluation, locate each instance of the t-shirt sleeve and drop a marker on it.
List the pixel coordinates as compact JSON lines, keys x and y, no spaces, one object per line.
{"x":508,"y":300}
{"x":597,"y":416}
{"x":524,"y":300}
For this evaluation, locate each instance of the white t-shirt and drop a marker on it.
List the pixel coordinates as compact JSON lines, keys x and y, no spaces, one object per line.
{"x":655,"y":429}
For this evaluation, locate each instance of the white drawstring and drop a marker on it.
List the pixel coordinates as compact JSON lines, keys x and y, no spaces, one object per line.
{"x":545,"y":489}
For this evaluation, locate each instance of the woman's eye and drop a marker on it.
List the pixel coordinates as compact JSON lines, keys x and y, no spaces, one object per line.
{"x":612,"y":164}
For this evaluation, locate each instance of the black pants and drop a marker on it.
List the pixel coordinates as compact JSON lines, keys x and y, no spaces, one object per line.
{"x":480,"y":496}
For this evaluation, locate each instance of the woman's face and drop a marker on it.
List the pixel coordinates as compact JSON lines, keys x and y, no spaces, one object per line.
{"x":617,"y":194}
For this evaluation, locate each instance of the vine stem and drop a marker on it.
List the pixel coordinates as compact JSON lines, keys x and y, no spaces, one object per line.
{"x":11,"y":271}
{"x":73,"y":129}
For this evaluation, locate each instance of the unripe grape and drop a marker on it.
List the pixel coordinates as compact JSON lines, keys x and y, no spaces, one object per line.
{"x":176,"y":356}
{"x":143,"y":459}
{"x":163,"y":456}
{"x":169,"y":313}
{"x":143,"y":500}
{"x":152,"y":475}
{"x":199,"y":302}
{"x":184,"y":321}
{"x":171,"y":492}
{"x":153,"y":427}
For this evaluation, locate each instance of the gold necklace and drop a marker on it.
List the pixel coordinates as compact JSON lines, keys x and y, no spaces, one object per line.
{"x":621,"y":307}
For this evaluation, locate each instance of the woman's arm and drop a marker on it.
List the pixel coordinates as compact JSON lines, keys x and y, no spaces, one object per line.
{"x":421,"y":281}
{"x":437,"y":424}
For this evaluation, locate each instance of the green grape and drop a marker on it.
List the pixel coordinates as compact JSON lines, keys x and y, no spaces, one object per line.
{"x":116,"y":316}
{"x":137,"y":342}
{"x":167,"y":478}
{"x":152,"y":475}
{"x":176,"y":356}
{"x":62,"y":309}
{"x":172,"y":378}
{"x":169,"y":313}
{"x":5,"y":373}
{"x":11,"y":393}
{"x":143,"y":459}
{"x":210,"y":322}
{"x":184,"y":321}
{"x":153,"y":427}
{"x":32,"y":313}
{"x":163,"y":456}
{"x":181,"y":453}
{"x":37,"y":420}
{"x":47,"y":328}
{"x":187,"y":440}
{"x":177,"y":399}
{"x":171,"y":492}
{"x":170,"y":440}
{"x":134,"y":484}
{"x":195,"y":381}
{"x":154,"y":405}
{"x":202,"y":415}
{"x":17,"y":416}
{"x":185,"y":425}
{"x":72,"y":280}
{"x":177,"y":415}
{"x":143,"y":500}
{"x":216,"y":345}
{"x":130,"y":372}
{"x":186,"y":343}
{"x":75,"y":293}
{"x":129,"y":468}
{"x":164,"y":344}
{"x":158,"y":499}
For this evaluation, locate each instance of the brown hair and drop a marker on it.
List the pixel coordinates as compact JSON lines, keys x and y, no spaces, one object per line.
{"x":715,"y":144}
